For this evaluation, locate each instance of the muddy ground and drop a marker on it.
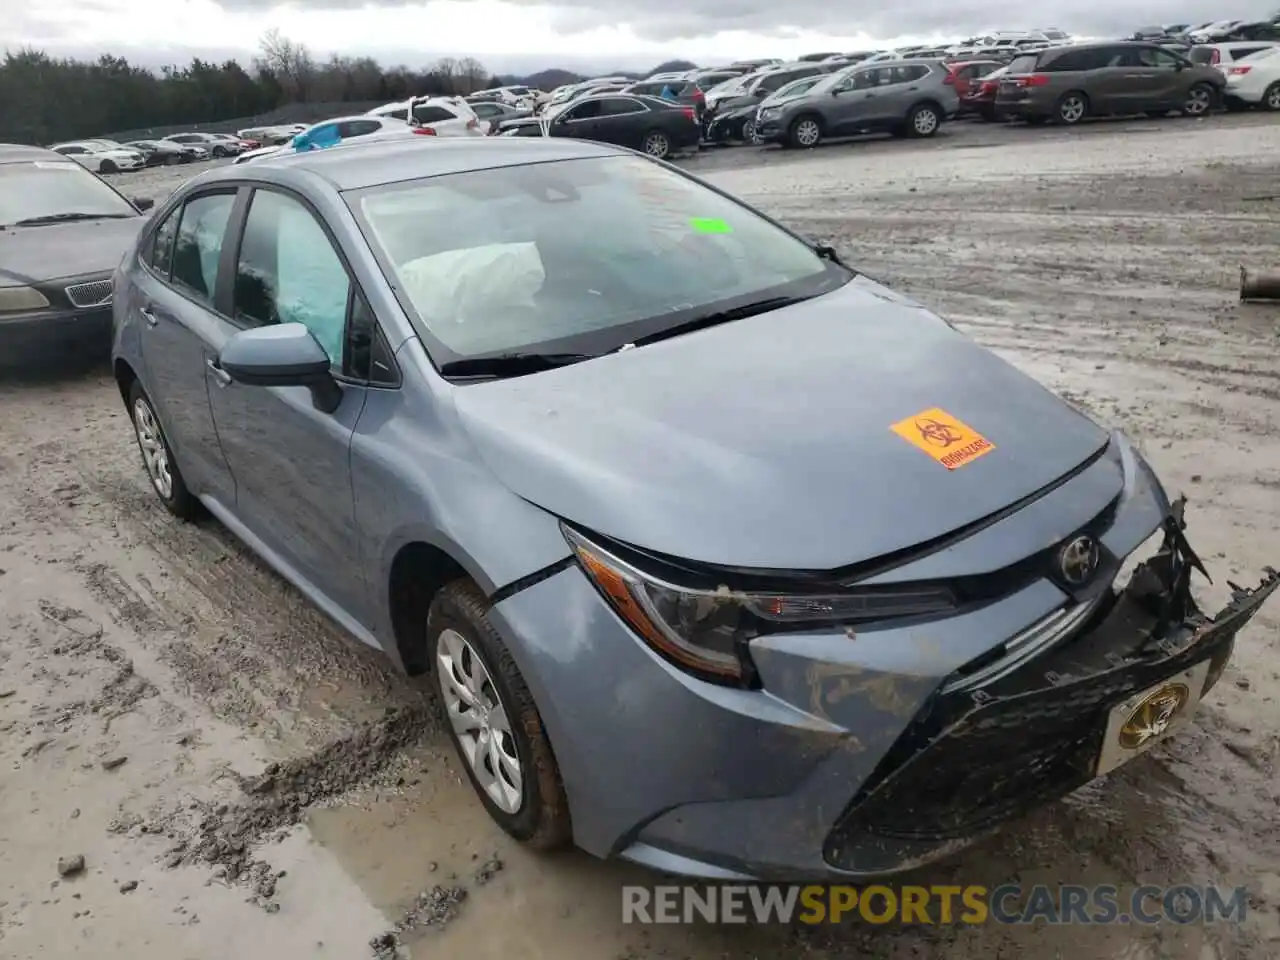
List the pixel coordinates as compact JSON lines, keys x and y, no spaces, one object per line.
{"x":241,"y":779}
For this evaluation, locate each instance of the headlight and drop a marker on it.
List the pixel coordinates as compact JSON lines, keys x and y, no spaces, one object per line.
{"x":706,"y":631}
{"x":21,"y":299}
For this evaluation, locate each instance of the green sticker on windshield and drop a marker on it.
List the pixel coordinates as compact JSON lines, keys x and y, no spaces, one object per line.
{"x":709,"y":225}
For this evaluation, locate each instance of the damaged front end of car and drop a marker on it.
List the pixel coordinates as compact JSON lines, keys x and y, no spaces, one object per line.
{"x":1041,"y":715}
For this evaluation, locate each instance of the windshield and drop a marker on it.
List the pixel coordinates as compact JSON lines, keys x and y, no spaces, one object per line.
{"x":794,"y":89}
{"x":586,"y":255}
{"x":49,"y":188}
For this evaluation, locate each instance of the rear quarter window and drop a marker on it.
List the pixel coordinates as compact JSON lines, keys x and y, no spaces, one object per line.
{"x":1028,"y":64}
{"x":1201,"y":55}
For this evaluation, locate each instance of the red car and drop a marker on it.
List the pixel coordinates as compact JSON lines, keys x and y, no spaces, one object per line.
{"x":969,"y":79}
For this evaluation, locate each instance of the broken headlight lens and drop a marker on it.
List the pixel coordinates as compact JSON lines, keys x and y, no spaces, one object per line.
{"x":707,"y":631}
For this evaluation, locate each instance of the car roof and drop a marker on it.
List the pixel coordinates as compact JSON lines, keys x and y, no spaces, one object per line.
{"x":21,"y":153}
{"x":356,"y":166}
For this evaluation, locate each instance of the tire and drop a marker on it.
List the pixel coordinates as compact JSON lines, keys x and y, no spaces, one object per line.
{"x":157,"y":457}
{"x":1200,"y":101}
{"x":750,"y":135}
{"x":219,"y":153}
{"x":805,"y":132}
{"x":172,"y":159}
{"x":1072,"y":107}
{"x":108,"y":166}
{"x":923,"y":120}
{"x":656,"y":145}
{"x":458,"y":623}
{"x":1271,"y":97}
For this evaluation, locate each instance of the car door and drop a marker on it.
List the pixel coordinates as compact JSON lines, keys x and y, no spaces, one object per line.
{"x":581,"y":121}
{"x":900,"y":94}
{"x":181,"y":333}
{"x":622,"y":121}
{"x":1110,"y":76}
{"x":291,"y":461}
{"x":1154,"y":79}
{"x":843,"y":106}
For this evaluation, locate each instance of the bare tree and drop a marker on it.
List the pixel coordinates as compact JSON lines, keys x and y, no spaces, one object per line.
{"x":471,"y":75}
{"x":290,"y":62}
{"x":445,"y":70}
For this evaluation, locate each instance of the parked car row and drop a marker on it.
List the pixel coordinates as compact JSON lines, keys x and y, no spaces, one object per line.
{"x":110,"y":156}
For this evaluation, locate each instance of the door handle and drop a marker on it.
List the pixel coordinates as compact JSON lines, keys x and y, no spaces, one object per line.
{"x":223,"y":378}
{"x":148,"y":316}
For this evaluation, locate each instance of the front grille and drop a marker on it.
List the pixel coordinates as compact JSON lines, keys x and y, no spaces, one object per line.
{"x":975,"y":759}
{"x":95,"y":293}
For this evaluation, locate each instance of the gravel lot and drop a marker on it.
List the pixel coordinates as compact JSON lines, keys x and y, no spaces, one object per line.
{"x":242,"y":780}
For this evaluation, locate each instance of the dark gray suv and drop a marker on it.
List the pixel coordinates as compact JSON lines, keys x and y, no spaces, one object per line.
{"x":907,"y":97}
{"x":1070,"y":83}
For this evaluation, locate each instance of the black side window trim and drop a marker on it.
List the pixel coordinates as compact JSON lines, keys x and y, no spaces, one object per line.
{"x":179,"y":209}
{"x":230,"y":262}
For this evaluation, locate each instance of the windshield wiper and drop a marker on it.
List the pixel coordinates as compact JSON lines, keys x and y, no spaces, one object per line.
{"x":510,"y":364}
{"x":720,"y":316}
{"x":64,"y":217}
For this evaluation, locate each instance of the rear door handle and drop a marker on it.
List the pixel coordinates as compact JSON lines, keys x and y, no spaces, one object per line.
{"x":223,"y":378}
{"x":148,"y":316}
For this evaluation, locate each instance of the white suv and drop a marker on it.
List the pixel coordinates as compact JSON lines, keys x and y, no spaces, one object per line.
{"x":1222,"y":55}
{"x":447,"y":116}
{"x":1255,"y":80}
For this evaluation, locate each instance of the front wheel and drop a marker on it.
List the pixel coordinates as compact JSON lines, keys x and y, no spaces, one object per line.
{"x":806,"y":133}
{"x":1199,"y":101}
{"x":657,"y":145}
{"x":923,"y":121}
{"x":172,"y":160}
{"x":157,"y":457}
{"x":750,"y":134}
{"x":493,"y":722}
{"x":108,"y":166}
{"x":219,"y":152}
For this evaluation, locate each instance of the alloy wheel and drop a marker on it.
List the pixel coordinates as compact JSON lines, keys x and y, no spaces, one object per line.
{"x":1198,"y":101}
{"x":924,"y":122}
{"x":750,"y":134}
{"x":480,"y":721}
{"x":657,"y":145}
{"x":807,"y":133}
{"x":1272,"y":98}
{"x":155,"y":455}
{"x":1071,"y":110}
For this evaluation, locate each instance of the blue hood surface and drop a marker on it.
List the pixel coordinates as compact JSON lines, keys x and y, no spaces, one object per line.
{"x":767,"y":442}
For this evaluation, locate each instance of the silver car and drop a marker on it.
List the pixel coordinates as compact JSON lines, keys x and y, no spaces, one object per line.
{"x":723,"y":558}
{"x":903,"y":97}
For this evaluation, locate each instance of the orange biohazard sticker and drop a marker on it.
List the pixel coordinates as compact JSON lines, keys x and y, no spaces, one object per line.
{"x":950,"y":441}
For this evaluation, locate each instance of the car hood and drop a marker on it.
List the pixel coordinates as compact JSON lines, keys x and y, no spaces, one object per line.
{"x":769,"y":442}
{"x":35,"y":254}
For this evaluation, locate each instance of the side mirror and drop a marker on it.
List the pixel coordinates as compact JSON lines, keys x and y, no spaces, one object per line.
{"x":142,"y":204}
{"x":281,"y":355}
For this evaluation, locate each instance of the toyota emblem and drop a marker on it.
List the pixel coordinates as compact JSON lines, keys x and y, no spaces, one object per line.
{"x":1079,"y":560}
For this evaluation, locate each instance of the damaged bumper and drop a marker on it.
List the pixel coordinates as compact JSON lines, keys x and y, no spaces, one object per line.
{"x":872,"y":754}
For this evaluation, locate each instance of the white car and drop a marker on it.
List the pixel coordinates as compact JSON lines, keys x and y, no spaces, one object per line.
{"x":1255,"y":80}
{"x":99,"y":157}
{"x":1222,"y":55}
{"x":329,"y":133}
{"x":446,"y":116}
{"x":218,"y":145}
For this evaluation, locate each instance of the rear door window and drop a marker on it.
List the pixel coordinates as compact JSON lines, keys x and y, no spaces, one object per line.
{"x":1241,"y":52}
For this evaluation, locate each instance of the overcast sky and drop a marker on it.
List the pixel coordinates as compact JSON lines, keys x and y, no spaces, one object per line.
{"x":526,"y":35}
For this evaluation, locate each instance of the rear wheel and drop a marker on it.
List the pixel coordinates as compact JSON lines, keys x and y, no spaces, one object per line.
{"x":923,"y":120}
{"x":1271,"y":98}
{"x":657,"y":145}
{"x":1072,"y":108}
{"x":108,"y":166}
{"x":493,"y":722}
{"x":805,"y":132}
{"x":1199,"y":101}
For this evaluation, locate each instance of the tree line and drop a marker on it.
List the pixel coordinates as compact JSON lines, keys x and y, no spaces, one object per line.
{"x":46,"y":100}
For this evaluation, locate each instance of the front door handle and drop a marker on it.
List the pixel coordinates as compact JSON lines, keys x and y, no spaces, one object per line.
{"x":148,"y":316}
{"x":223,"y":378}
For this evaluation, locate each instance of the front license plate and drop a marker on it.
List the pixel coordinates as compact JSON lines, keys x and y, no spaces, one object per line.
{"x":1146,"y":718}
